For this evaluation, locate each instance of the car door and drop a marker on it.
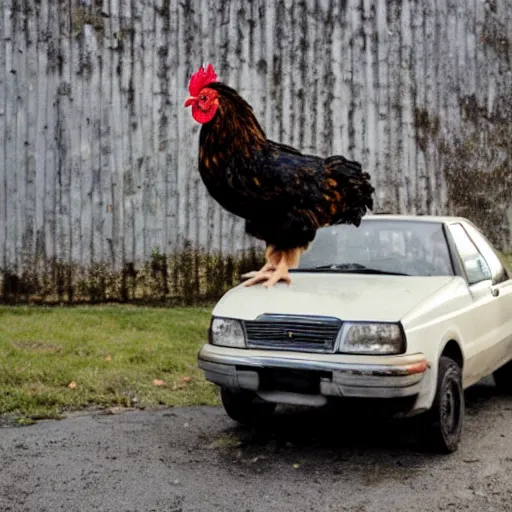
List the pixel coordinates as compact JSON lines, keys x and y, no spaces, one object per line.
{"x":484,"y":311}
{"x":502,"y":290}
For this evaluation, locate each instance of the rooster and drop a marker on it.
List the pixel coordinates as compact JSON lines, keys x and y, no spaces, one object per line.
{"x":283,"y":195}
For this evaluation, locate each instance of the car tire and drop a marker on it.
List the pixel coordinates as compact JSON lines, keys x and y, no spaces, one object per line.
{"x":503,"y":378}
{"x":245,"y":407}
{"x":443,"y":422}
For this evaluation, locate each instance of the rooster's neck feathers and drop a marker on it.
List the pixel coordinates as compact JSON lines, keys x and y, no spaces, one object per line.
{"x":234,"y":126}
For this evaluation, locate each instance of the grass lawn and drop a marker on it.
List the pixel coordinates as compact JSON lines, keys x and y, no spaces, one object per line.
{"x":57,"y":359}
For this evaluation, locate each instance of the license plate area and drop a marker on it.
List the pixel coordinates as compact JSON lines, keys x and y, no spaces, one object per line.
{"x":296,"y":381}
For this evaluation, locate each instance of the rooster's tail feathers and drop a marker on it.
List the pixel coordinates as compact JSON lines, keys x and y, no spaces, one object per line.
{"x":351,"y":189}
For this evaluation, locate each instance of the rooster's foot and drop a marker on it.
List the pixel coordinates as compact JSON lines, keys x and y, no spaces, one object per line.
{"x":276,"y":268}
{"x":268,"y":277}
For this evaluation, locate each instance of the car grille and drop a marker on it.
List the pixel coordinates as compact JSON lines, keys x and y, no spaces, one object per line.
{"x":287,"y":332}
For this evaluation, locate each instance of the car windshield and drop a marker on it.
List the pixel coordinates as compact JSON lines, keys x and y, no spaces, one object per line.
{"x":396,"y":247}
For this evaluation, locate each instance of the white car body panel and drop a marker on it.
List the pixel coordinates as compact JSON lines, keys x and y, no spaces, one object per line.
{"x":346,"y":296}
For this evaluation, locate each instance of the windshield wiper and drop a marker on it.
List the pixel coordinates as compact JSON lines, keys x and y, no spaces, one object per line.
{"x":350,"y":267}
{"x":340,"y":266}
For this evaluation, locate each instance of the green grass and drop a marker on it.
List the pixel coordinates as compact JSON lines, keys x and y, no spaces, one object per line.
{"x":112,"y":353}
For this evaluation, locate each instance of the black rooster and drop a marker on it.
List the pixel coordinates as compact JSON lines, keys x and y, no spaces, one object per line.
{"x":283,"y":195}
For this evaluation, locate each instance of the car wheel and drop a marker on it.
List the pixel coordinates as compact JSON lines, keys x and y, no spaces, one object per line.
{"x":443,"y":423}
{"x":503,"y":378}
{"x":245,"y":407}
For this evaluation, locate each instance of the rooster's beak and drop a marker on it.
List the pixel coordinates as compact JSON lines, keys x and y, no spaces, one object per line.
{"x":189,"y":101}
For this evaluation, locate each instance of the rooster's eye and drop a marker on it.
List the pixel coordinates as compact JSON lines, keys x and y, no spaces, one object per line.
{"x":202,"y":97}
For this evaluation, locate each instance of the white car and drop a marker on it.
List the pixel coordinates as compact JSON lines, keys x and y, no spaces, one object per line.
{"x":407,"y":310}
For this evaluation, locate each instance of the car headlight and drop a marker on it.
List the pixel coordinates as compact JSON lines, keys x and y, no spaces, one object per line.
{"x":371,"y":338}
{"x":227,"y":332}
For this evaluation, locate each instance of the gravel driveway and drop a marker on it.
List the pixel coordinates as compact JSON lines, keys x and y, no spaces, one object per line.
{"x":196,"y":459}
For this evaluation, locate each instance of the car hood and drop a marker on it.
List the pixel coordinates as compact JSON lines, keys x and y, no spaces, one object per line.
{"x":344,"y":296}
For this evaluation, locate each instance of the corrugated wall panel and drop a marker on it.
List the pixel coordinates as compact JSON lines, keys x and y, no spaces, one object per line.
{"x":100,"y":197}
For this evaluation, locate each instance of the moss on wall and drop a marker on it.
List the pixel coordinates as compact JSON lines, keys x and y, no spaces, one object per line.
{"x":190,"y":277}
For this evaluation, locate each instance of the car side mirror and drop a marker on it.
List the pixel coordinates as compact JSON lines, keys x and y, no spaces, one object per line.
{"x":498,"y":276}
{"x":477,"y":269}
{"x":498,"y":273}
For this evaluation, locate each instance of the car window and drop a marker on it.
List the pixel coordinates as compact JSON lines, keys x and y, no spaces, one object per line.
{"x":415,"y":248}
{"x":474,"y":263}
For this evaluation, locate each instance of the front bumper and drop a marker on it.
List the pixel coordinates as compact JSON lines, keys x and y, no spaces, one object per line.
{"x":341,"y":375}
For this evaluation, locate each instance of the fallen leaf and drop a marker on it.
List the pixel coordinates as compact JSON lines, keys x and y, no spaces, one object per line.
{"x":72,"y":385}
{"x":186,"y":379}
{"x":108,"y":358}
{"x":158,"y":382}
{"x":296,"y":466}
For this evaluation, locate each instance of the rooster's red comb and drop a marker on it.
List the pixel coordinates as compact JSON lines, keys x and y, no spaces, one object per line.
{"x":201,"y":78}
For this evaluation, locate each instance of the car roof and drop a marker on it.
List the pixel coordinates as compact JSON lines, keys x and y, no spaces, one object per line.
{"x":415,"y":218}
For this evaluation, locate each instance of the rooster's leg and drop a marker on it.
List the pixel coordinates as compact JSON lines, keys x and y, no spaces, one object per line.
{"x":256,"y":276}
{"x":277,"y":267}
{"x":288,"y":259}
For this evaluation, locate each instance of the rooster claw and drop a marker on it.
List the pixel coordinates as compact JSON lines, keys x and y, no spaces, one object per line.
{"x":268,"y":277}
{"x":256,"y":277}
{"x":248,"y":275}
{"x":276,"y":268}
{"x":276,"y":276}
